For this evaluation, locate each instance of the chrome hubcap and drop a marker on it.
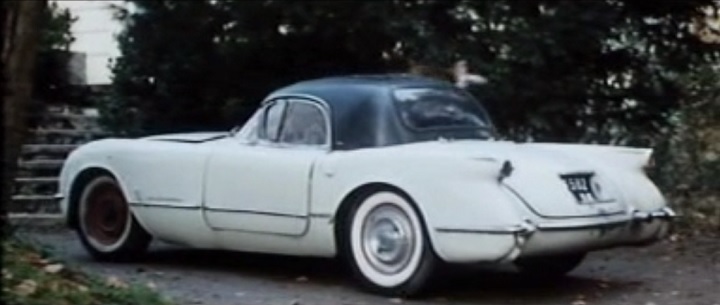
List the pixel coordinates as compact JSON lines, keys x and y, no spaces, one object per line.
{"x":388,"y":239}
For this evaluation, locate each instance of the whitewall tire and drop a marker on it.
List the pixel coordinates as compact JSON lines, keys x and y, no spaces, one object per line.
{"x":387,"y":246}
{"x":107,"y":228}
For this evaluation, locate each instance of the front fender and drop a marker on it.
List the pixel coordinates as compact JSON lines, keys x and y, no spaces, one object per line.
{"x":79,"y":162}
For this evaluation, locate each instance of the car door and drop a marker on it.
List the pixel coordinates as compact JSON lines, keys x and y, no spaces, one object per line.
{"x":263,"y":185}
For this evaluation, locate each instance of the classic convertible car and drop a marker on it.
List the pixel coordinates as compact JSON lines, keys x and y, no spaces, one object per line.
{"x":393,"y":173}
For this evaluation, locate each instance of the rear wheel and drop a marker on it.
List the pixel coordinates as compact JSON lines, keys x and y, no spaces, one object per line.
{"x":554,"y":266}
{"x":107,"y":228}
{"x":387,"y":246}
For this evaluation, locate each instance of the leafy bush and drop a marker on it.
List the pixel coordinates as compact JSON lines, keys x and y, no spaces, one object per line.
{"x":688,"y":159}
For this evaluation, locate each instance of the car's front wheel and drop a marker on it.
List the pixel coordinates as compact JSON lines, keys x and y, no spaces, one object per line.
{"x":107,"y":228}
{"x":552,"y":266}
{"x":388,"y":247}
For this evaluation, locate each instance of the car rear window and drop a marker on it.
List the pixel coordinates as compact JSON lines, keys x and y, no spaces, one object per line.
{"x":439,"y":108}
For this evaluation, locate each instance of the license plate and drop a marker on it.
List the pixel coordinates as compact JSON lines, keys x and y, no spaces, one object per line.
{"x":580,"y":186}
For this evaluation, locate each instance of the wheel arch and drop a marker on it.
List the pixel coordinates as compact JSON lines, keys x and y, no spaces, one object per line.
{"x":352,"y":198}
{"x":78,"y":183}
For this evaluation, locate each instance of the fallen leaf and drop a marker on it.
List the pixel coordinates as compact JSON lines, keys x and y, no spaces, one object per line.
{"x":83,"y":288}
{"x":54,"y":286}
{"x":26,"y":288}
{"x":53,"y":268}
{"x":34,"y":259}
{"x":115,"y":282}
{"x":301,"y":279}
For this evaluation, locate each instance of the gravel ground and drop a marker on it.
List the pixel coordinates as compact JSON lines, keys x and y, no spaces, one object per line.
{"x":682,"y":273}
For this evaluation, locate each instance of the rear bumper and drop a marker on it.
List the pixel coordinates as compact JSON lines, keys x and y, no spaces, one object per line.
{"x":635,"y":228}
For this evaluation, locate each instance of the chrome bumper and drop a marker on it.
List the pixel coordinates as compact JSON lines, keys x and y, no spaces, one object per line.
{"x":664,"y":213}
{"x":529,"y":227}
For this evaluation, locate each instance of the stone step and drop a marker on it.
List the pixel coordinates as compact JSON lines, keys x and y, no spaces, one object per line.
{"x":70,"y":116}
{"x":48,"y":148}
{"x":70,"y":132}
{"x":35,"y":221}
{"x":36,"y":180}
{"x":41,"y":164}
{"x":34,"y":204}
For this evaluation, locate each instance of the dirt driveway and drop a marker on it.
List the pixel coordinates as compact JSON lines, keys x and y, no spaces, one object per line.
{"x":680,"y":273}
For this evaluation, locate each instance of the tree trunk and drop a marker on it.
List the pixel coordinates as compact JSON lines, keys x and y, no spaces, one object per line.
{"x":20,"y":22}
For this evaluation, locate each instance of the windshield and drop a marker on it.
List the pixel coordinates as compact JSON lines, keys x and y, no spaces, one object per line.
{"x":439,"y":109}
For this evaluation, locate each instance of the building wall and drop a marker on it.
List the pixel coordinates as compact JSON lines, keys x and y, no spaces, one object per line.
{"x":94,"y":33}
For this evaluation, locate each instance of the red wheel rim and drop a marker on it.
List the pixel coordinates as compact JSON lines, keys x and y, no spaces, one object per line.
{"x":106,"y":214}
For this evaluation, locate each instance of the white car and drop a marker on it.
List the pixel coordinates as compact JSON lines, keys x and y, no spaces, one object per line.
{"x":394,"y":173}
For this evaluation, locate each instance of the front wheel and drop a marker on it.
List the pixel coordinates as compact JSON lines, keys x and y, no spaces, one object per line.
{"x":388,"y":247}
{"x":108,"y":230}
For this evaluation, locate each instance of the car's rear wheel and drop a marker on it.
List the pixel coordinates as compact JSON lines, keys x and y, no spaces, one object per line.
{"x":107,"y":228}
{"x":387,"y":246}
{"x":552,"y":266}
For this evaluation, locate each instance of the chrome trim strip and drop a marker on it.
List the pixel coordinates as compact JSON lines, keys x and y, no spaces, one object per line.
{"x":581,"y":226}
{"x":314,"y":215}
{"x":165,"y":206}
{"x":59,"y":196}
{"x":266,"y":213}
{"x":488,"y":230}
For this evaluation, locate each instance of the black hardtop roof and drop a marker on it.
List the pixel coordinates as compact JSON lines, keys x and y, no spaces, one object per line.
{"x":362,"y":113}
{"x":327,"y":87}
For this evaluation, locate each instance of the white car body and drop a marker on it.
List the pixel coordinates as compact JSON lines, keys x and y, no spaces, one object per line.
{"x":481,"y":200}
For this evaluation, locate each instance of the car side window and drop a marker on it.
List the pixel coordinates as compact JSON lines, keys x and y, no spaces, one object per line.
{"x":304,"y":125}
{"x":273,"y":120}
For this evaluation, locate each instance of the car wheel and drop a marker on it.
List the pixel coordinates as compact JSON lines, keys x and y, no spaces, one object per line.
{"x":388,"y":248}
{"x":554,"y":266}
{"x":107,"y":229}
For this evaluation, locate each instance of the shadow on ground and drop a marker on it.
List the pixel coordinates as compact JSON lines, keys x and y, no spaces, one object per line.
{"x":487,"y":284}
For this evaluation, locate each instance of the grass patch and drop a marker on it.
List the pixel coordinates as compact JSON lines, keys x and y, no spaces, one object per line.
{"x":30,"y":276}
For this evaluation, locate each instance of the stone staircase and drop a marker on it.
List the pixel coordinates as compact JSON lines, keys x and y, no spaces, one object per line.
{"x":56,"y":132}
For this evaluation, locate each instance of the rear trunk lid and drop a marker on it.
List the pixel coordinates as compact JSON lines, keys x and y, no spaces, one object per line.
{"x":555,"y":181}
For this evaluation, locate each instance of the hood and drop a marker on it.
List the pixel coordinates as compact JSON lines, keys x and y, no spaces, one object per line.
{"x":192,"y":137}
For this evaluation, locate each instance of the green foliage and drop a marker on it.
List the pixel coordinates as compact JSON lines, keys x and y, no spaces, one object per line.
{"x":589,"y":71}
{"x":56,"y":23}
{"x":688,"y":157}
{"x":595,"y":71}
{"x":206,"y":64}
{"x":29,"y":277}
